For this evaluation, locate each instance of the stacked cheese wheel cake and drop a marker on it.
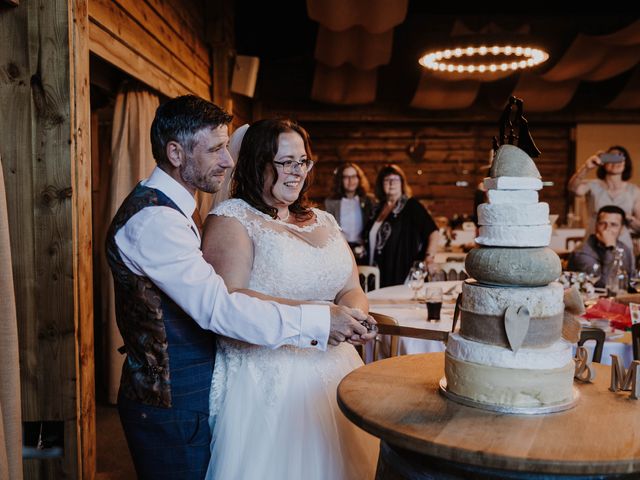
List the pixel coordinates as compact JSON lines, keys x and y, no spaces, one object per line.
{"x":509,"y":351}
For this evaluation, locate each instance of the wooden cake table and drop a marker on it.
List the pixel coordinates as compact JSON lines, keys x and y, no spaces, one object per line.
{"x":424,"y":435}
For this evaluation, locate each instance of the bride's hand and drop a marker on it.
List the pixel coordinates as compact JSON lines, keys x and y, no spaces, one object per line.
{"x":345,"y":324}
{"x":371,"y":333}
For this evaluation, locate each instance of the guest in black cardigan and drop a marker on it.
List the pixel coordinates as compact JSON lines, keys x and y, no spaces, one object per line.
{"x":401,"y":230}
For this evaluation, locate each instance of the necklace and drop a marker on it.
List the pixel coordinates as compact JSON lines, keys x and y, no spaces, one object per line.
{"x":285,"y":218}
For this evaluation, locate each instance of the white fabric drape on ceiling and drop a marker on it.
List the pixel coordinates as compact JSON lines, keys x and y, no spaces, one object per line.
{"x":355,"y":38}
{"x":10,"y":413}
{"x":131,"y":161}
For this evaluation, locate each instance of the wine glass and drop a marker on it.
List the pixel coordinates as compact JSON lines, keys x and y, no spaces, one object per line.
{"x":634,"y":279}
{"x":416,"y":281}
{"x":594,"y":272}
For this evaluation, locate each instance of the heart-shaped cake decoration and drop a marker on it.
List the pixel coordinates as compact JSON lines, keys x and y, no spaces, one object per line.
{"x":516,"y":324}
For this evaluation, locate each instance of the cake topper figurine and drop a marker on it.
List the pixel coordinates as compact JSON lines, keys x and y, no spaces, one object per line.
{"x":514,"y":129}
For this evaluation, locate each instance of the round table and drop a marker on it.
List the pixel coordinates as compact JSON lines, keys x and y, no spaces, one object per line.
{"x":423,"y":434}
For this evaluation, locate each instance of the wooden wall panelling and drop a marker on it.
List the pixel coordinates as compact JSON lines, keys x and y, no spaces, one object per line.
{"x":453,"y":152}
{"x":17,"y":144}
{"x":184,"y":44}
{"x":134,"y":38}
{"x":44,"y":138}
{"x":103,"y":45}
{"x":188,"y":21}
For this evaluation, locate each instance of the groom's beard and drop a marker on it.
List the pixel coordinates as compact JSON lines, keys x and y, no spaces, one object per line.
{"x":209,"y":182}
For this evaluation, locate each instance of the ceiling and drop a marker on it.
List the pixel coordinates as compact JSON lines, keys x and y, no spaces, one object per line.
{"x":365,"y":52}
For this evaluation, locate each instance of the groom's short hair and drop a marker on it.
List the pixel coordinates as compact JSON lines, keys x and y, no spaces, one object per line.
{"x":179,"y":119}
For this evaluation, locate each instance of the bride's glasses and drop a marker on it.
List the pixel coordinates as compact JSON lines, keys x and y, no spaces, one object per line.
{"x":288,"y":166}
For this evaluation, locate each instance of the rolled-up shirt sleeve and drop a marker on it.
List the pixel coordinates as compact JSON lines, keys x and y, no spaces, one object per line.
{"x":159,"y":243}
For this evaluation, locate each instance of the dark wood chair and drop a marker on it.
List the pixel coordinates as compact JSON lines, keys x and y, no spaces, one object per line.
{"x":635,"y":340}
{"x":596,"y":334}
{"x":384,"y":321}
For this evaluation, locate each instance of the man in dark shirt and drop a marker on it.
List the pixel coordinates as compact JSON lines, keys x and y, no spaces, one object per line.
{"x":599,"y":247}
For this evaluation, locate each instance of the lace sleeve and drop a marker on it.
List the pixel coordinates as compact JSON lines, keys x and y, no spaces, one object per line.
{"x":241,"y":211}
{"x":325,"y":218}
{"x":233,"y":207}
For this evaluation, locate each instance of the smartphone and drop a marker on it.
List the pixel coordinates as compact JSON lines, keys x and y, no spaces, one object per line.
{"x":612,"y":158}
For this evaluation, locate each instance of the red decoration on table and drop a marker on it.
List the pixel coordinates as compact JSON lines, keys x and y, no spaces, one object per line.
{"x":619,"y":315}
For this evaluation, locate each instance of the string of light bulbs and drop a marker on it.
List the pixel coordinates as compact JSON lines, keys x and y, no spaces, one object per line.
{"x":445,"y":60}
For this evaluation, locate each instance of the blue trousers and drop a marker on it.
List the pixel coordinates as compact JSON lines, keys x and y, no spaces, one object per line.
{"x":166,"y":443}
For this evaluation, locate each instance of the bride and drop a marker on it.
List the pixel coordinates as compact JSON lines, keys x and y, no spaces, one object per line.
{"x":274,"y":413}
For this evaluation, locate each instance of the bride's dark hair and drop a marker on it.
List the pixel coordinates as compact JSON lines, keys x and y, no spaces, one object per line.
{"x":258,"y":149}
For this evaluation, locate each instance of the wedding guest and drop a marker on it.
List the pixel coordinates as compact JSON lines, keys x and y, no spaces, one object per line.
{"x":599,"y":247}
{"x":401,"y":230}
{"x":352,"y":205}
{"x":610,"y":188}
{"x":169,"y":300}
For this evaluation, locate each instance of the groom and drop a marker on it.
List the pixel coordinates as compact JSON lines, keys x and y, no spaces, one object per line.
{"x":169,"y":300}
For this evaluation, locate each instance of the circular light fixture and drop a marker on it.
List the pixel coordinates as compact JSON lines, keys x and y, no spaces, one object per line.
{"x":482,"y":59}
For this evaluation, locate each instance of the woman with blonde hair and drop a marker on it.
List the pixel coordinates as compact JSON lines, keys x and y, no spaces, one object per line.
{"x":401,"y":230}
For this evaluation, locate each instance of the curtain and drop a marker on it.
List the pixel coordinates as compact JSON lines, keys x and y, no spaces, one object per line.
{"x":10,"y":414}
{"x":131,"y":161}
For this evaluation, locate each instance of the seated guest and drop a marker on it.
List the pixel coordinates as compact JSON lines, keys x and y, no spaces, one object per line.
{"x":599,"y":247}
{"x":352,"y":205}
{"x":401,"y":230}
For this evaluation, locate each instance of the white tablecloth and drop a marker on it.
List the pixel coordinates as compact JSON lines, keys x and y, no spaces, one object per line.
{"x":396,"y":302}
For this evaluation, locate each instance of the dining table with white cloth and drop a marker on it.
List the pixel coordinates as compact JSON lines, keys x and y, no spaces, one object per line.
{"x":396,"y":301}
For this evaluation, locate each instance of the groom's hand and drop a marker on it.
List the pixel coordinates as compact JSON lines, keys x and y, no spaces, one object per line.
{"x":369,"y":323}
{"x":345,"y":325}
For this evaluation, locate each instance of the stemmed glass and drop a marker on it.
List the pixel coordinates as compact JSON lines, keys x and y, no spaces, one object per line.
{"x":634,"y":279}
{"x":417,"y":275}
{"x":594,"y":272}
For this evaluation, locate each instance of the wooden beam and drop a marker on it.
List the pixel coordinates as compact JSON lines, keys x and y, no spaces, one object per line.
{"x":80,"y":120}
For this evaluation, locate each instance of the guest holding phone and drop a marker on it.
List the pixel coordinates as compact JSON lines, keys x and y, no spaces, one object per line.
{"x":610,"y":188}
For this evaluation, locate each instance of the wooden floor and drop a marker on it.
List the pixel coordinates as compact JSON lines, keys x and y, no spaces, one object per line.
{"x":114,"y":461}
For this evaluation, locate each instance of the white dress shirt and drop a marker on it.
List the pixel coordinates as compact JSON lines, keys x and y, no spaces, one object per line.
{"x":351,"y":219}
{"x":159,"y":243}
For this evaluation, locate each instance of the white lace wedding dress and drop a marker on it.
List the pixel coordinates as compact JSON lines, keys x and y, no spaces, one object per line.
{"x":274,"y":413}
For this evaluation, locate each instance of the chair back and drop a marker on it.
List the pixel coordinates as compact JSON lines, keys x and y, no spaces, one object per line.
{"x":596,"y":334}
{"x":450,"y":270}
{"x":635,"y":337}
{"x":571,"y":243}
{"x":367,"y":273}
{"x":384,"y":320}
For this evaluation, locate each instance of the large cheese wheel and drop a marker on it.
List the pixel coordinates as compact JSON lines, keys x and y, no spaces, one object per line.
{"x":544,"y":301}
{"x":514,"y":235}
{"x":505,"y":214}
{"x":511,"y":161}
{"x":513,"y":266}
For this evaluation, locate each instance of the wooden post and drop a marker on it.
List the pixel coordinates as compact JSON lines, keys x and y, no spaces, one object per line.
{"x":80,"y":120}
{"x":44,"y":141}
